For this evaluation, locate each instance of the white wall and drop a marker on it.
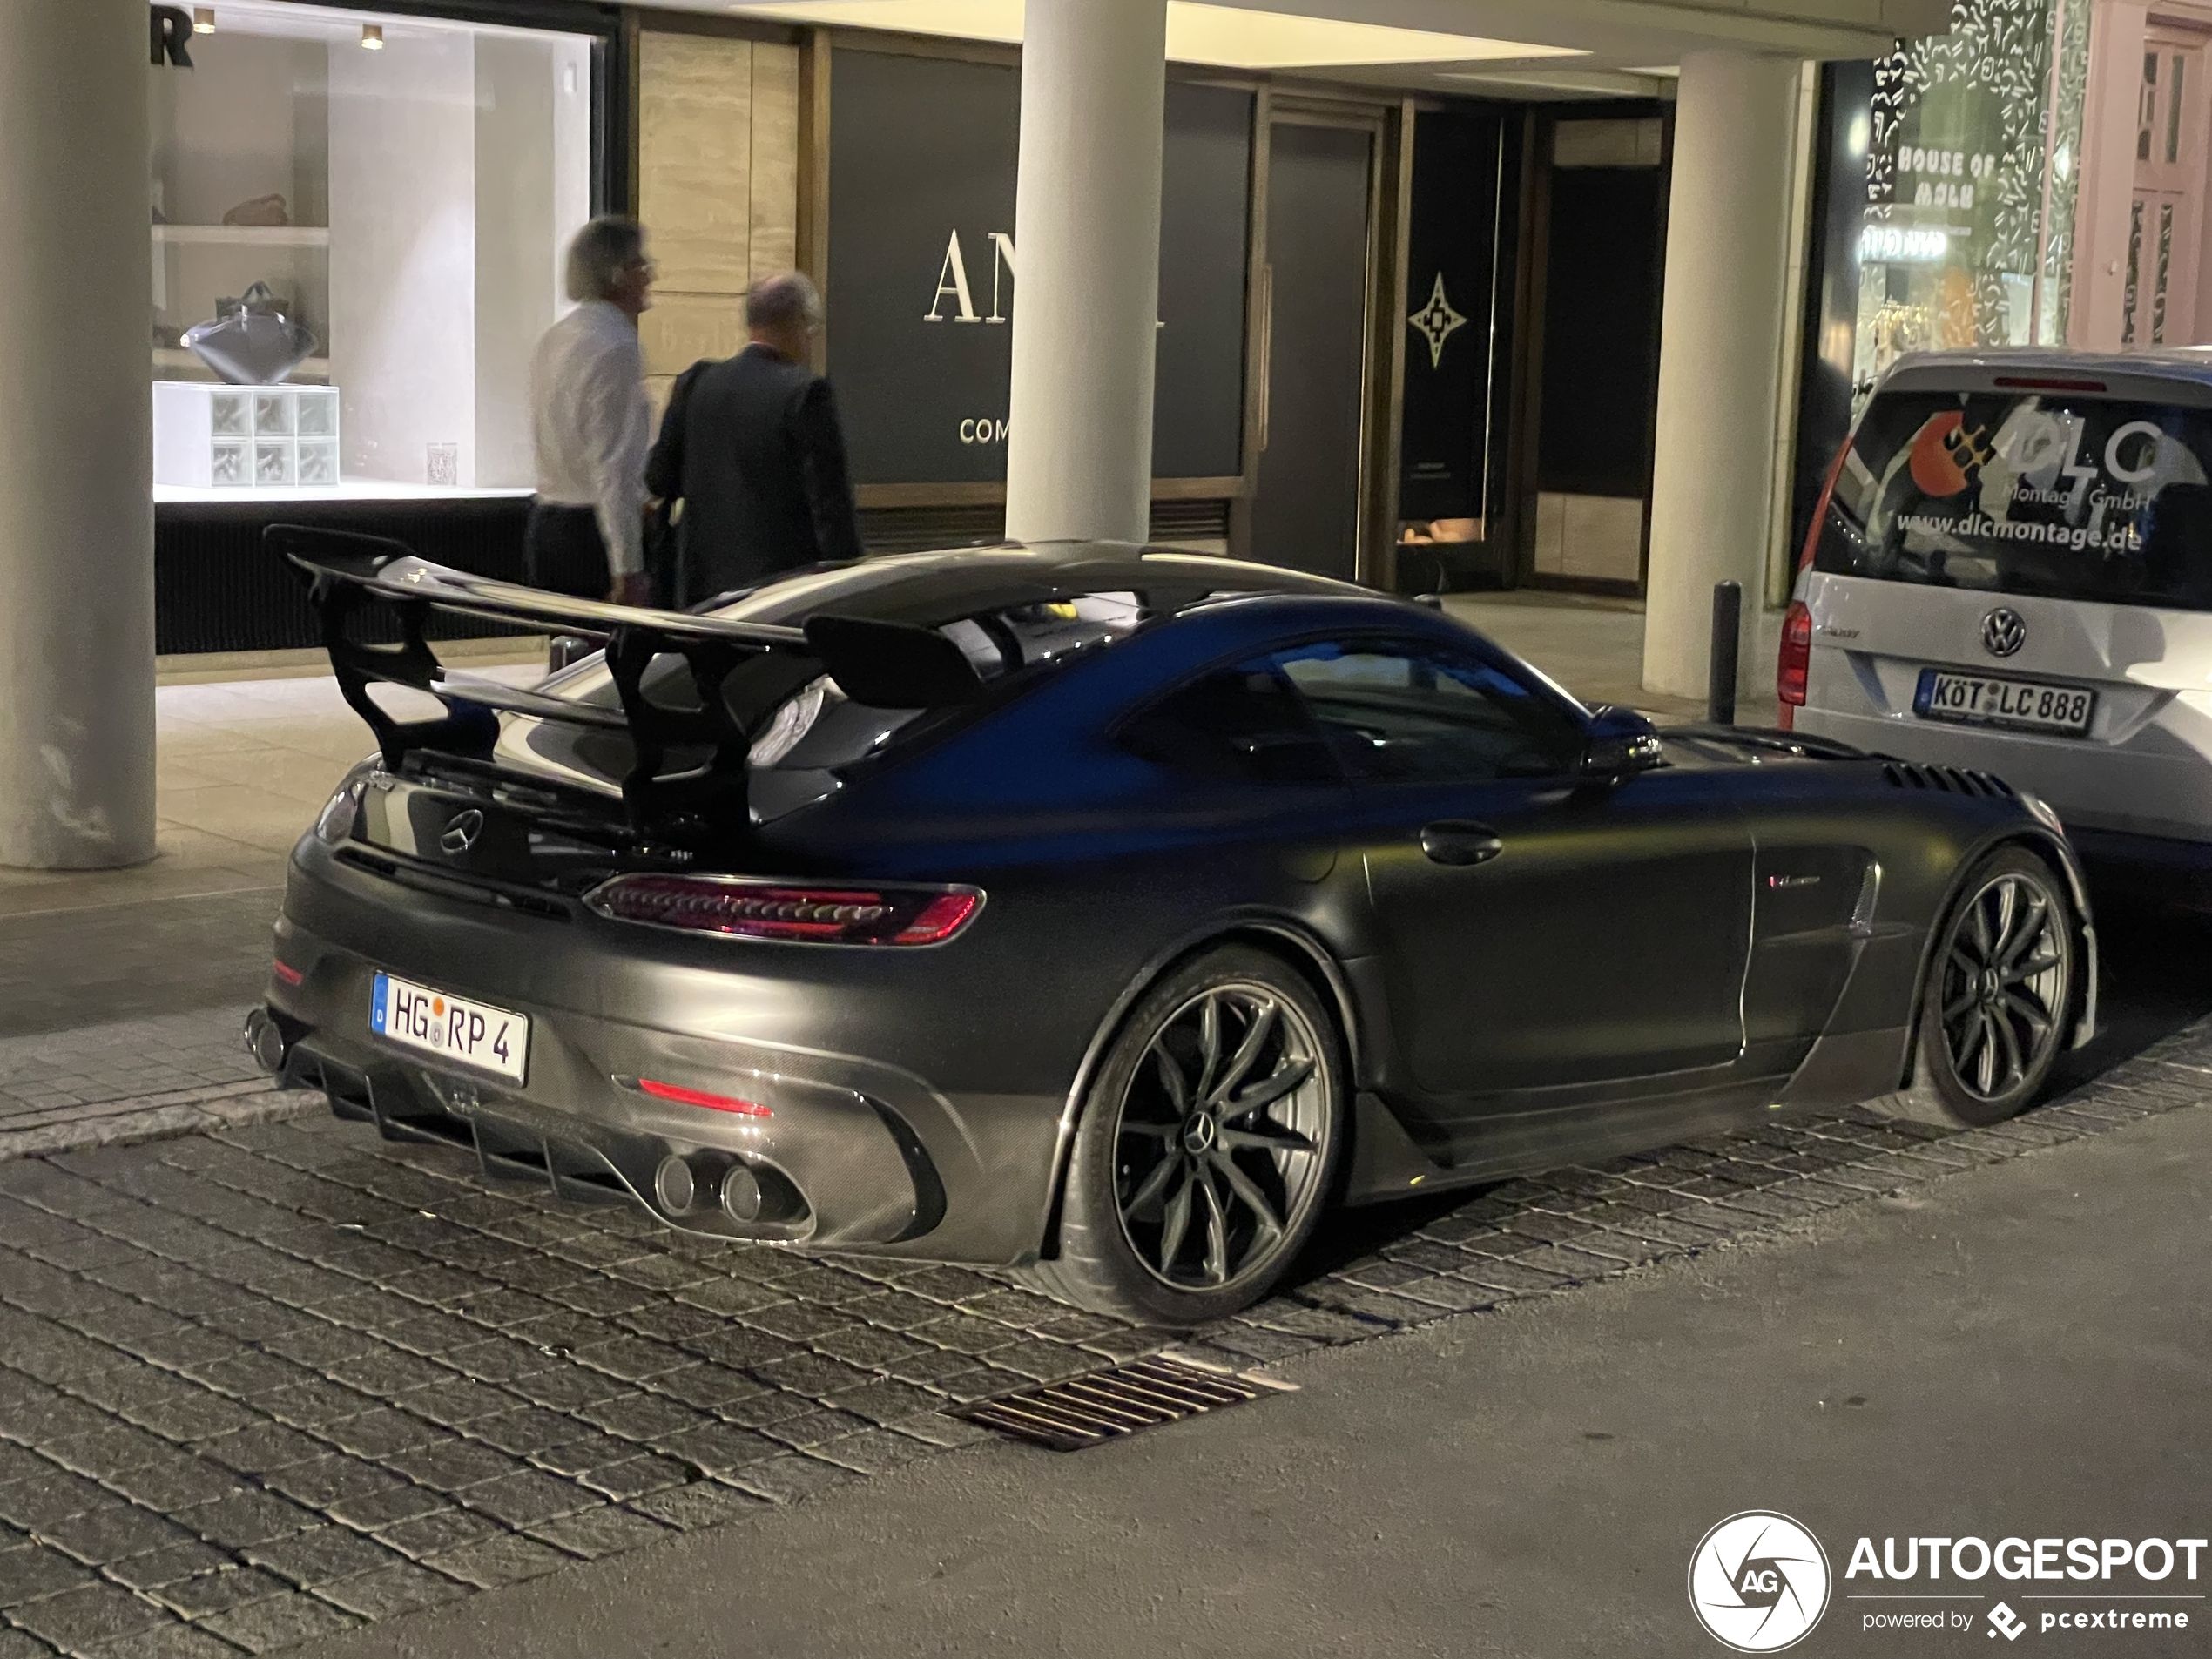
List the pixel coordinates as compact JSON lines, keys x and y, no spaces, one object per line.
{"x":403,"y":252}
{"x":533,"y":189}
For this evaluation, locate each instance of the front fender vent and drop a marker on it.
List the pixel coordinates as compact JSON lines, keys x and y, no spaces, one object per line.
{"x":1107,"y":1405}
{"x":1952,"y":780}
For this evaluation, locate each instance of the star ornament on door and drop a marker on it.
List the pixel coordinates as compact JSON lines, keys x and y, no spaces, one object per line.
{"x":1436,"y":320}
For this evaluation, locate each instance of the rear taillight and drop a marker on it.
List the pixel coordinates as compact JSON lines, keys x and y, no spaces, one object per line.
{"x":683,"y":1096}
{"x":1795,"y":664}
{"x":754,"y":908}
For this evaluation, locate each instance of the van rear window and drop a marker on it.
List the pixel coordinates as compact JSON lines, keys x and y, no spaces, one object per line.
{"x":2064,"y":495}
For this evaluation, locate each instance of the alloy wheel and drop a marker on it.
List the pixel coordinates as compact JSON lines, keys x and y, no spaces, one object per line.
{"x":1219,"y":1154}
{"x":2004,"y":985}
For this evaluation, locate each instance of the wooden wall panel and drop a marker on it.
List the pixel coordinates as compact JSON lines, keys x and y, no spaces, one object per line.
{"x":775,"y":161}
{"x":695,"y":158}
{"x":717,"y":188}
{"x":682,"y":327}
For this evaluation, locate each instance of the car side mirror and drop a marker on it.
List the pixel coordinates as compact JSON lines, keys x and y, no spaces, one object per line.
{"x":1618,"y":744}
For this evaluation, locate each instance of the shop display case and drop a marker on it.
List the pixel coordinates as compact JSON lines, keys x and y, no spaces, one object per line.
{"x":409,"y":205}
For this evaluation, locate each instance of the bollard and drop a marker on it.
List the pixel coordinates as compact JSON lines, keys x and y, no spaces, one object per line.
{"x":1720,"y":684}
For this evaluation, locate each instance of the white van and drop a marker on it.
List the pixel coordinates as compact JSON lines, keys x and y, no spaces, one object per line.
{"x":2010,"y":570}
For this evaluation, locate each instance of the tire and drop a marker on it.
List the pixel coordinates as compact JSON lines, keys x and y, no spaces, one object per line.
{"x":1177,"y":1211}
{"x":2002,"y":981}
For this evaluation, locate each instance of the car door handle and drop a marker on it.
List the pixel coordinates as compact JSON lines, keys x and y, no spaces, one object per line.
{"x":1456,"y":841}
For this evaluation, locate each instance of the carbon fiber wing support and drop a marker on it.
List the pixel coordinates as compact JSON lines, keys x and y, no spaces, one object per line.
{"x":351,"y":577}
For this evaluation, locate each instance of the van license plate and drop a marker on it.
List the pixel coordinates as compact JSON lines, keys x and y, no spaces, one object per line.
{"x":475,"y":1034}
{"x":1984,"y":699}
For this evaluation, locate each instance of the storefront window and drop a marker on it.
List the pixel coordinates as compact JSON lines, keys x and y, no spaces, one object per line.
{"x":399,"y":192}
{"x":1968,"y":234}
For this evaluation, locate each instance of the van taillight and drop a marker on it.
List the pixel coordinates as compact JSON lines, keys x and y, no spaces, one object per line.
{"x":1795,"y":665}
{"x":757,"y":907}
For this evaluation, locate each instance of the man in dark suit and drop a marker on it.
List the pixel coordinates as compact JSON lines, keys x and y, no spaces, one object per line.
{"x":752,"y":449}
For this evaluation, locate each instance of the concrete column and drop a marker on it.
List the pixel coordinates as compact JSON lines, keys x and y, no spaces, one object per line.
{"x":1720,"y":333}
{"x":75,"y":465}
{"x":1087,"y":236}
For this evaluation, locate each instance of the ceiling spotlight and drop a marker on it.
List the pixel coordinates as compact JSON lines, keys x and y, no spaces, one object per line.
{"x":372,"y":37}
{"x":203,"y":20}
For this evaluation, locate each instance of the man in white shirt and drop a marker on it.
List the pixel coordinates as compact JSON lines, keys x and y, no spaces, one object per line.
{"x":586,"y":534}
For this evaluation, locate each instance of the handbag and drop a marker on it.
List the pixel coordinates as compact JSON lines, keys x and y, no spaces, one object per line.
{"x":250,"y":341}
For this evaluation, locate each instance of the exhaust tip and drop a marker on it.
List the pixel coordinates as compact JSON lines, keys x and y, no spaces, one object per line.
{"x":741,"y":1194}
{"x":674,"y":1185}
{"x":264,"y":1040}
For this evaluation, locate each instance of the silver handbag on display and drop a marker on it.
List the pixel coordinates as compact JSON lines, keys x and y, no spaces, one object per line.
{"x":250,"y":341}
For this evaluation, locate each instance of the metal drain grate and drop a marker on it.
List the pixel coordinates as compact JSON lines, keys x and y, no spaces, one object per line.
{"x":1068,"y":1416}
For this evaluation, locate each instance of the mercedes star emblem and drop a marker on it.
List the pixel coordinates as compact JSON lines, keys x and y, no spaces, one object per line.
{"x":461,"y":832}
{"x":2003,"y":632}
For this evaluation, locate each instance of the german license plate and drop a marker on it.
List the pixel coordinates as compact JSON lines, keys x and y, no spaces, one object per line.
{"x":453,"y":1027}
{"x":1988,"y":699}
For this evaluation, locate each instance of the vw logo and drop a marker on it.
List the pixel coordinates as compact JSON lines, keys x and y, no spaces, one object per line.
{"x":1758,"y":1582}
{"x":2003,"y":632}
{"x":461,"y":832}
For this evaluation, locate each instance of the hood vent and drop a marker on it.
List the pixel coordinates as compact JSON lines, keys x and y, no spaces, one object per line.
{"x":1953,"y":780}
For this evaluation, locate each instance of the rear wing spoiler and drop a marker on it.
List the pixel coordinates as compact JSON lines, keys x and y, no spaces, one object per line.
{"x":349,"y":576}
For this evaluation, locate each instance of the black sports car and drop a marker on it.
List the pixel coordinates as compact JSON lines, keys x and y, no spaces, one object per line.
{"x":1110,"y":912}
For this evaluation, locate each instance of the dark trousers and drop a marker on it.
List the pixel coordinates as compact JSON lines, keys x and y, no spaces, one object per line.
{"x":564,"y":551}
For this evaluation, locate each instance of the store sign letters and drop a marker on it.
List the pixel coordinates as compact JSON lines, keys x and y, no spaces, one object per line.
{"x":169,"y":37}
{"x":951,"y":282}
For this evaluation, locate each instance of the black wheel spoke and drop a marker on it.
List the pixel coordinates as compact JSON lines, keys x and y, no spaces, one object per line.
{"x":1178,"y":1222}
{"x":1266,"y":1092}
{"x":1985,"y":1052}
{"x":1247,"y":1192}
{"x":1264,"y":1137}
{"x":2032,"y":969}
{"x":2015,"y":1062}
{"x":1247,"y":1055}
{"x":2029,"y":931}
{"x":1209,"y":1046}
{"x":1976,"y":1028}
{"x":2026,"y":1008}
{"x":1217,"y":1231}
{"x":1148,"y":1193}
{"x":1172,"y":1082}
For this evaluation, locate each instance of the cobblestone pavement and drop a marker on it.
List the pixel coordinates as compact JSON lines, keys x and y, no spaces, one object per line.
{"x":133,"y":1080}
{"x":263,"y":1384}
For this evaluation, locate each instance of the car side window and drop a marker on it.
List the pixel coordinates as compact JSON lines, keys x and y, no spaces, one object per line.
{"x":1407,"y":712}
{"x":1243,"y":724}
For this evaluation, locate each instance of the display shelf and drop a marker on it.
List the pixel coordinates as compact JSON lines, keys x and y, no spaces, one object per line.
{"x":309,"y":368}
{"x":243,"y":236}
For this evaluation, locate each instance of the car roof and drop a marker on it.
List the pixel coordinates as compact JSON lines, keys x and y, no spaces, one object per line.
{"x":2168,"y":372}
{"x":935,"y":587}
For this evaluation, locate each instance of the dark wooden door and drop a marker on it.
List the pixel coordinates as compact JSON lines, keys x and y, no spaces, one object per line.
{"x":1320,"y":194}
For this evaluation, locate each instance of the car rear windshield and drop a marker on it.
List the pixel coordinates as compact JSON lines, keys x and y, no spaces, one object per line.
{"x":2059,"y":493}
